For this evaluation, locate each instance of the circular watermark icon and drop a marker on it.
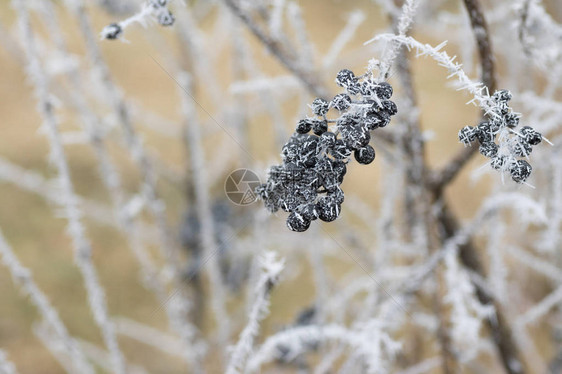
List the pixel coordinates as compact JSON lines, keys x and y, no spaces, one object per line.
{"x":240,"y":186}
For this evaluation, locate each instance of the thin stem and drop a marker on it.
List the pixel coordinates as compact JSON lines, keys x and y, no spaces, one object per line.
{"x":308,"y":78}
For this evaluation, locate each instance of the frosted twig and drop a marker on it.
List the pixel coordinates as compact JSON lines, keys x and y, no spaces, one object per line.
{"x":270,"y":270}
{"x":23,"y":278}
{"x":540,"y":309}
{"x":369,"y":343}
{"x":283,"y":54}
{"x":354,"y":20}
{"x":405,"y":21}
{"x":149,"y":335}
{"x":133,"y":141}
{"x":76,"y":229}
{"x":194,"y":144}
{"x":6,"y":367}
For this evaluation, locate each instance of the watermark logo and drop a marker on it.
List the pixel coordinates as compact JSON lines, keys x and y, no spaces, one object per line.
{"x":240,"y":186}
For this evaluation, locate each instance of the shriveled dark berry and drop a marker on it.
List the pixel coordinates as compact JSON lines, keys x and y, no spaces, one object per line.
{"x":328,"y":209}
{"x":345,"y":78}
{"x":502,"y":95}
{"x":304,"y":126}
{"x":484,"y":133}
{"x":522,"y":148}
{"x":340,"y":169}
{"x":311,"y":161}
{"x":319,"y":127}
{"x":488,"y":149}
{"x":365,"y":155}
{"x":308,"y":211}
{"x":367,"y":88}
{"x":112,"y":31}
{"x":341,"y":102}
{"x":357,"y":137}
{"x":383,"y":90}
{"x":320,"y":106}
{"x":297,"y":222}
{"x":467,"y":135}
{"x":347,"y":120}
{"x":166,"y":18}
{"x":328,"y":140}
{"x":532,"y":136}
{"x":390,"y":107}
{"x":498,"y":162}
{"x":340,"y":150}
{"x":384,"y":118}
{"x":371,"y":122}
{"x":336,"y":196}
{"x":511,"y":120}
{"x":520,"y":171}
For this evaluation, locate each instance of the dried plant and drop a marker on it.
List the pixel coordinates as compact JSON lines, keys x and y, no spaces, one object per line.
{"x":399,"y":283}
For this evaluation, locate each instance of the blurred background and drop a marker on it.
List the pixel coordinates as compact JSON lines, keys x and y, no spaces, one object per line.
{"x":231,"y":96}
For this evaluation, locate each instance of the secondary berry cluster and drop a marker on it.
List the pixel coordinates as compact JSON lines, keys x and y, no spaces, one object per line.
{"x":308,"y":183}
{"x":512,"y":145}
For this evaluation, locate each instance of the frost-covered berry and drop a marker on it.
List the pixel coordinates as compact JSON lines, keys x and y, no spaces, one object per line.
{"x":498,"y":162}
{"x":304,"y":126}
{"x":488,"y":149}
{"x":308,"y":212}
{"x":520,"y":171}
{"x":340,"y":169}
{"x":365,"y":155}
{"x":467,"y":135}
{"x":346,"y":78}
{"x":297,"y":222}
{"x":328,"y":209}
{"x":310,"y":161}
{"x":166,"y":18}
{"x":390,"y":107}
{"x":319,"y":127}
{"x":511,"y":120}
{"x":383,"y":91}
{"x":357,"y":137}
{"x":337,"y":196}
{"x":484,"y":133}
{"x":384,"y":118}
{"x":327,"y":140}
{"x":341,"y":102}
{"x":532,"y":136}
{"x":340,"y":150}
{"x":320,"y":106}
{"x":522,"y":148}
{"x":112,"y":31}
{"x":502,"y":96}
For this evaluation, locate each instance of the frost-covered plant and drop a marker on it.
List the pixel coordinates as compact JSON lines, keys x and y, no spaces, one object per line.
{"x":409,"y":280}
{"x":307,"y":184}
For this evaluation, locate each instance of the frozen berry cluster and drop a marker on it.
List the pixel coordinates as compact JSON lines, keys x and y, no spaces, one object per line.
{"x":155,"y":8}
{"x":500,"y":141}
{"x":308,"y":183}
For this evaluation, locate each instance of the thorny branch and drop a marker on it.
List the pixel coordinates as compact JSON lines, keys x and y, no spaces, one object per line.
{"x":439,"y":179}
